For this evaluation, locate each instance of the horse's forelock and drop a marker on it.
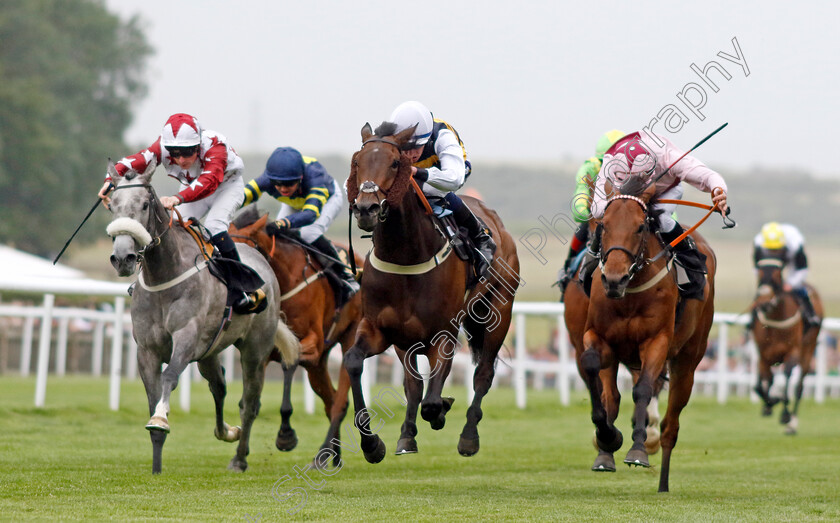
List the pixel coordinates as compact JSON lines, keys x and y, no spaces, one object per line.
{"x":386,"y":129}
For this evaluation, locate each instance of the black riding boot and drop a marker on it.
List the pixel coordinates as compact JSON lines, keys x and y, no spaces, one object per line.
{"x":484,"y":245}
{"x":578,"y":242}
{"x":349,"y":286}
{"x":691,"y":260}
{"x":810,"y":315}
{"x":247,"y":302}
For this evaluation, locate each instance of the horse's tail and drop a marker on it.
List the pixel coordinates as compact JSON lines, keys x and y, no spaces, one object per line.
{"x":287,"y":343}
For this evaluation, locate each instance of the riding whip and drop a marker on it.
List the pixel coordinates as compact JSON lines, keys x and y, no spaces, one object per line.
{"x":632,"y":184}
{"x":95,"y":205}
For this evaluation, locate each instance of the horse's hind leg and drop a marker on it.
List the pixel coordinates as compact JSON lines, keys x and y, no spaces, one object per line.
{"x":286,"y":437}
{"x":253,"y":376}
{"x":413,"y":387}
{"x":213,"y":372}
{"x":762,"y":388}
{"x":784,"y":419}
{"x":682,"y":380}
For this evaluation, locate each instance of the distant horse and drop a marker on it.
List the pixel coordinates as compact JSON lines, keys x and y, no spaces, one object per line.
{"x":638,"y":326}
{"x":780,"y":334}
{"x":415,"y":295}
{"x":575,"y":311}
{"x":308,"y":302}
{"x":177,"y":311}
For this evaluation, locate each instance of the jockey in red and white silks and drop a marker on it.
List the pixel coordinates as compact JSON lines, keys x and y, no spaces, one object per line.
{"x":213,"y":185}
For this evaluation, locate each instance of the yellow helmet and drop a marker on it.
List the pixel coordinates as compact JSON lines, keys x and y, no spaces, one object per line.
{"x":772,"y":236}
{"x":606,"y":141}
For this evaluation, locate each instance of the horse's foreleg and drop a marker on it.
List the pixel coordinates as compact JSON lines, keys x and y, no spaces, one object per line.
{"x":653,"y":354}
{"x":762,"y":387}
{"x":369,"y":342}
{"x":434,"y":408}
{"x":286,"y":437}
{"x":319,"y":379}
{"x":149,"y":366}
{"x":608,"y":437}
{"x":413,"y":387}
{"x":183,"y":344}
{"x":213,"y":372}
{"x":789,"y":365}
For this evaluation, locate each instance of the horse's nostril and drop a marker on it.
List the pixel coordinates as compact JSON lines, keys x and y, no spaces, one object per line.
{"x":131,"y":258}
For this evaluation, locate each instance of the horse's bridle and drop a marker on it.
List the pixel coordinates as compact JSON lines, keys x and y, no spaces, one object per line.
{"x":765,"y":266}
{"x":370,"y":187}
{"x":153,"y":201}
{"x":638,"y":257}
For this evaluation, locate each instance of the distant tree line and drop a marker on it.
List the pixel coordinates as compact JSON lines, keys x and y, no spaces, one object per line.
{"x":69,"y":74}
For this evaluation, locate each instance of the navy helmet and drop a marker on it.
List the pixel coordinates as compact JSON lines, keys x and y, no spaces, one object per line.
{"x":284,"y":165}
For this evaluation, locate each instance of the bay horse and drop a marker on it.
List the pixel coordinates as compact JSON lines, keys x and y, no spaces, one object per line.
{"x":638,"y":326}
{"x":575,"y":310}
{"x":308,"y":302}
{"x":415,"y":295}
{"x":782,"y":337}
{"x":177,"y":311}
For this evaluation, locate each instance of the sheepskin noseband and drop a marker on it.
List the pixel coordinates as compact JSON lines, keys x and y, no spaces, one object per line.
{"x":131,"y":227}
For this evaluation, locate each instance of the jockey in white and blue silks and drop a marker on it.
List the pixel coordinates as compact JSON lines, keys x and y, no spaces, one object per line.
{"x":783,"y":241}
{"x":310,"y":199}
{"x":211,"y":173}
{"x":440,"y":166}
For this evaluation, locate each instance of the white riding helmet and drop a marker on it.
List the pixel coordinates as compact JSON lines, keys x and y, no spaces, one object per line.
{"x":408,"y":114}
{"x":181,"y":130}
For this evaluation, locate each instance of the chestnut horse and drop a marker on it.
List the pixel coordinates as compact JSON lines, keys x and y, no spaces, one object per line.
{"x":415,"y":294}
{"x":308,"y":303}
{"x":781,"y":336}
{"x":576,"y":307}
{"x":638,"y":326}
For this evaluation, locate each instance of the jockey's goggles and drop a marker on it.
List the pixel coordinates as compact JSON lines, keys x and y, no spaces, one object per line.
{"x":286,"y":183}
{"x":184,"y":152}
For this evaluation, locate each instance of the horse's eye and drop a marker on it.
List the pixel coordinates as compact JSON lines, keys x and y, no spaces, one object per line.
{"x":641,"y":229}
{"x":145,"y":205}
{"x":395,"y":164}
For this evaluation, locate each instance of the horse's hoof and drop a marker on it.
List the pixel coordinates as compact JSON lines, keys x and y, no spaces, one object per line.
{"x":637,"y":458}
{"x":785,"y":418}
{"x":378,"y":453}
{"x":318,"y":464}
{"x":604,"y":462}
{"x":158,"y":423}
{"x":612,"y":446}
{"x":435,"y":414}
{"x":286,"y":440}
{"x":652,"y":441}
{"x":447,"y":403}
{"x":467,"y":447}
{"x":238,"y":465}
{"x":789,"y":431}
{"x":406,"y":446}
{"x":230,"y":435}
{"x":766,"y":411}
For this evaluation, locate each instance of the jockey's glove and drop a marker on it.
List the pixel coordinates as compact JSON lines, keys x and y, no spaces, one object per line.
{"x":421,"y":176}
{"x":277,"y":227}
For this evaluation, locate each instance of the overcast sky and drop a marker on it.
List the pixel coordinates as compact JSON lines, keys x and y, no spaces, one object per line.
{"x":527,"y":80}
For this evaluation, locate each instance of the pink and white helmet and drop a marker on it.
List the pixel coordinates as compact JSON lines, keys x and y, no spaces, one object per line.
{"x":181,"y":130}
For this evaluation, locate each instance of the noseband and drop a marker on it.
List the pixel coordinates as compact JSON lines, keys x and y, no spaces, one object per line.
{"x":638,"y":257}
{"x":126,"y":228}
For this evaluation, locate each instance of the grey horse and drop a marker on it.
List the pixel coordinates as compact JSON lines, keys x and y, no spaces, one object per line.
{"x":177,"y":310}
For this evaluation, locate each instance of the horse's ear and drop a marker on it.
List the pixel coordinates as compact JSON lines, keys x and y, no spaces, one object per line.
{"x":146,"y":176}
{"x":367,"y":132}
{"x":112,"y":170}
{"x":260,"y":223}
{"x":649,"y":193}
{"x":403,"y":137}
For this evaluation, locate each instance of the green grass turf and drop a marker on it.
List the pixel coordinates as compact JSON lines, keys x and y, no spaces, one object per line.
{"x":77,"y":460}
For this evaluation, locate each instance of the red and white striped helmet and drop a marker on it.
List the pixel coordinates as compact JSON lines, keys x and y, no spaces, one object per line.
{"x":181,"y":130}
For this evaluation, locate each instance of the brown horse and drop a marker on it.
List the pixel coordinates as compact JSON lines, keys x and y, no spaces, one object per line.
{"x":781,"y":335}
{"x":574,"y":313}
{"x":414,"y":292}
{"x":308,"y":302}
{"x":639,"y":326}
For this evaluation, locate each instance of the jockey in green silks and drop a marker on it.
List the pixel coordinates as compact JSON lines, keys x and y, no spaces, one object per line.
{"x":584,"y":183}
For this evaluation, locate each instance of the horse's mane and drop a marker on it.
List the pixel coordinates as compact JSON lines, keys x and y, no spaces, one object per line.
{"x":248,"y":216}
{"x":402,"y":181}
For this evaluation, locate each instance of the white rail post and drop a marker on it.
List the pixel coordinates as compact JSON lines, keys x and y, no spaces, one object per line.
{"x":184,"y":385}
{"x":821,"y":371}
{"x":131,"y":364}
{"x":44,"y":351}
{"x":722,"y":355}
{"x":308,"y":396}
{"x":116,"y":352}
{"x":26,"y":346}
{"x":228,"y":362}
{"x":61,"y":347}
{"x":98,"y":343}
{"x":563,"y":349}
{"x":519,"y":378}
